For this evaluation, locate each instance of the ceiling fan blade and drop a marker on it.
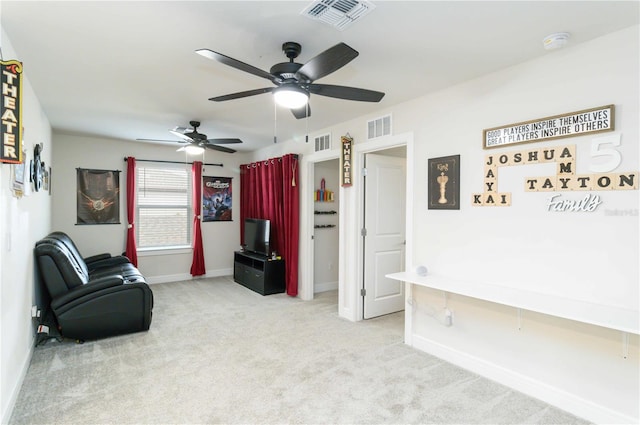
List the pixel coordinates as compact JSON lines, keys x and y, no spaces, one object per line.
{"x":223,"y":141}
{"x":181,"y":136}
{"x":160,"y":140}
{"x":302,"y":112}
{"x":218,"y":148}
{"x":348,"y":93}
{"x":241,"y":94}
{"x":326,"y":62}
{"x":234,"y":63}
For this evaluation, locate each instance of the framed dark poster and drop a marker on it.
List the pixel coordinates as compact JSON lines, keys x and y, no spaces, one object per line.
{"x":98,"y":196}
{"x":216,"y":199}
{"x":444,"y":183}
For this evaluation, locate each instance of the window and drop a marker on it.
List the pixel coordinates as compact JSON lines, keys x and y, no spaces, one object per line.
{"x":164,"y":210}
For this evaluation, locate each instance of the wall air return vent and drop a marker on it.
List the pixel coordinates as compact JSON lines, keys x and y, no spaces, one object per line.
{"x":338,"y":13}
{"x":322,"y":143}
{"x":379,"y":127}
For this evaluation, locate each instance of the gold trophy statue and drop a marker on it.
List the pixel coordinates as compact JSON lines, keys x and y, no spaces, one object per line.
{"x":442,"y":180}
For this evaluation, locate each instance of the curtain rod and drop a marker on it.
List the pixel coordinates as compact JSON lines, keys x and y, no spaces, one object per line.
{"x":170,"y":162}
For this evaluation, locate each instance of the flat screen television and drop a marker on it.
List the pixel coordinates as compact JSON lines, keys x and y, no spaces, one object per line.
{"x":256,"y":235}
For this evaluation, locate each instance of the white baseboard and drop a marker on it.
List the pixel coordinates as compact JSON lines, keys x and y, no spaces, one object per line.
{"x":15,"y":391}
{"x":219,"y":273}
{"x":525,"y":384}
{"x":186,"y":276}
{"x":324,"y":287}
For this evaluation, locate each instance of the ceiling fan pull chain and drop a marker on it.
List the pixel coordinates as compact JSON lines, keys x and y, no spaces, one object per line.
{"x":275,"y":123}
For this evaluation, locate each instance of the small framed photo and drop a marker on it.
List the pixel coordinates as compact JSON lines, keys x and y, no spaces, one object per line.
{"x":444,"y":183}
{"x":45,"y":180}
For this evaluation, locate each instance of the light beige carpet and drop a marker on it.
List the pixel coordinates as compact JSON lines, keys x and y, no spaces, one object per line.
{"x":218,"y":353}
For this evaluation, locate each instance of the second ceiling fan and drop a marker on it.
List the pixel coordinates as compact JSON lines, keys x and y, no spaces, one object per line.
{"x":294,"y":82}
{"x":190,"y":137}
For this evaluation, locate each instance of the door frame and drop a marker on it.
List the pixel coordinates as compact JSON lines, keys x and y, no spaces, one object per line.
{"x":350,"y":221}
{"x":306,"y":256}
{"x":352,"y":274}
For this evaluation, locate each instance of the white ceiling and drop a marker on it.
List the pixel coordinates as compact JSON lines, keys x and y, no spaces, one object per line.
{"x":128,"y":70}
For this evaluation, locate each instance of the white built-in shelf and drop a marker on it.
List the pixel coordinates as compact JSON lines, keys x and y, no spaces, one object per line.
{"x":611,"y":317}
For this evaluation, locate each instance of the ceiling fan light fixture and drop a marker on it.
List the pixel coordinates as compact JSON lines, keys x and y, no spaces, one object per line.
{"x":292,"y":97}
{"x":192,"y":149}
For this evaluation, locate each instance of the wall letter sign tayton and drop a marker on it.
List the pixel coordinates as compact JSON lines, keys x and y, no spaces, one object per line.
{"x":11,"y":111}
{"x":565,"y":179}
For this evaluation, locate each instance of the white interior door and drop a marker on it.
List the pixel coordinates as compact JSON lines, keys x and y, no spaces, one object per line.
{"x":384,"y":240}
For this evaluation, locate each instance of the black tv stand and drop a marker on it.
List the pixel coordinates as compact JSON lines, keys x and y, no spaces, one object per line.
{"x":258,"y":272}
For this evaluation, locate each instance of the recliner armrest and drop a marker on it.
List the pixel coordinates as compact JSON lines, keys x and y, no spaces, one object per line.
{"x":88,"y":288}
{"x":97,"y":257}
{"x":106,"y":262}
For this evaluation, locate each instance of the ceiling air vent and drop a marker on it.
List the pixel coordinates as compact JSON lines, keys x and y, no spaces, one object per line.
{"x":338,"y":13}
{"x":323,"y":143}
{"x":379,"y":127}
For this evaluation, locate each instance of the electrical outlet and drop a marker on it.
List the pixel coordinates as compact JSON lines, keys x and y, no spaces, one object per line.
{"x":448,"y":317}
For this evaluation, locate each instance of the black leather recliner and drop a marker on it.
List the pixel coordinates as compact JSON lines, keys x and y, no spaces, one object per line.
{"x":92,"y":298}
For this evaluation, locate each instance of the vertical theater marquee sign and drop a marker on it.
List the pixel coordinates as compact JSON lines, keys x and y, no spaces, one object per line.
{"x":11,"y":111}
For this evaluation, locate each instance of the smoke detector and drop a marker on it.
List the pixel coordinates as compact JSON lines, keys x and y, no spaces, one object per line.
{"x":338,"y":13}
{"x":555,"y":41}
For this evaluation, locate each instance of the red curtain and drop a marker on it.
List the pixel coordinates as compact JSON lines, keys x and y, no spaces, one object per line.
{"x":197,"y":265}
{"x":131,"y":251}
{"x":269,"y":190}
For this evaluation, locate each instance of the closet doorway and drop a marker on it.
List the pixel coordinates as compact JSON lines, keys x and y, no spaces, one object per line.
{"x":326,"y":230}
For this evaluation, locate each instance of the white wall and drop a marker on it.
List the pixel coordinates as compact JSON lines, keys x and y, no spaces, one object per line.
{"x":22,"y":222}
{"x":584,"y":256}
{"x":220,"y":239}
{"x":524,"y":246}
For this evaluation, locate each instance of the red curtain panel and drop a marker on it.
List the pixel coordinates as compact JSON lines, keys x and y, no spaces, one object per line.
{"x":131,"y":251}
{"x":197,"y":265}
{"x":291,"y":220}
{"x":269,"y":190}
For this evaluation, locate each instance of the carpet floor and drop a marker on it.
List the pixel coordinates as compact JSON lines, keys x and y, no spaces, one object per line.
{"x":218,"y":353}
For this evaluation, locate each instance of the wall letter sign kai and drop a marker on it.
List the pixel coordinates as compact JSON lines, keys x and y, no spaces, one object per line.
{"x":11,"y":111}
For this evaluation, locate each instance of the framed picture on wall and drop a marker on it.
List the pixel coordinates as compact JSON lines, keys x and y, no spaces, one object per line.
{"x":444,"y":183}
{"x":216,"y":199}
{"x":98,"y":196}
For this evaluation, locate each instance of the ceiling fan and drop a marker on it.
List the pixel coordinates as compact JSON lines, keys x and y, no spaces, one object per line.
{"x":196,"y":141}
{"x":295,"y":82}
